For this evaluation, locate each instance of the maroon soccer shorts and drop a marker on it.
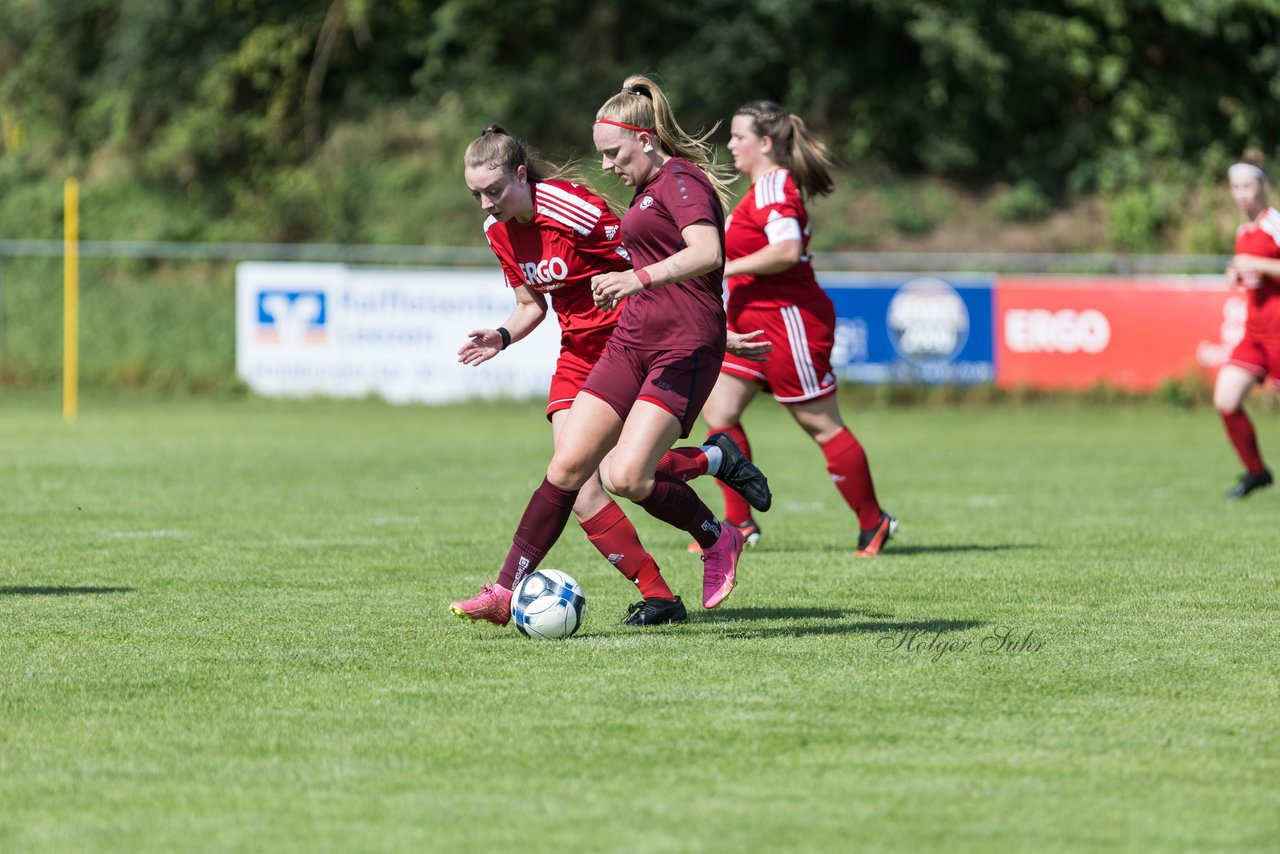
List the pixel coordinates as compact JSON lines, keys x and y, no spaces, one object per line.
{"x":799,"y":368}
{"x":679,"y":381}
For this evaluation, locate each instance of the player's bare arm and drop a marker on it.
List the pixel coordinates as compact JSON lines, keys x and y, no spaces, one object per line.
{"x":702,"y":254}
{"x":484,"y":344}
{"x":773,"y":258}
{"x":1244,"y":265}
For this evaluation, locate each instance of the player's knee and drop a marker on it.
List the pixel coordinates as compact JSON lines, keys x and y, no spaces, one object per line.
{"x":636,"y":490}
{"x":567,"y":473}
{"x":822,"y":437}
{"x":820,"y":431}
{"x":630,"y":481}
{"x":717,"y":412}
{"x":606,"y":482}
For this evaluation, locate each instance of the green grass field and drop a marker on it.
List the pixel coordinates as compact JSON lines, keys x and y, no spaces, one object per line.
{"x":223,"y":625}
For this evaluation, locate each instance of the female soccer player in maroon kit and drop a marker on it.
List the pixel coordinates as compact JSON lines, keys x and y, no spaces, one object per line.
{"x":649,"y":383}
{"x":1255,"y":267}
{"x":772,"y":288}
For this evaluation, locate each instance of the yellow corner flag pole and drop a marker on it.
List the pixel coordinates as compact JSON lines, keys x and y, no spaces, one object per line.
{"x":71,"y":301}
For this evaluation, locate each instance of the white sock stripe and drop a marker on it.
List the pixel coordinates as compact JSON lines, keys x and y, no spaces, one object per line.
{"x":800,"y":349}
{"x":715,"y":456}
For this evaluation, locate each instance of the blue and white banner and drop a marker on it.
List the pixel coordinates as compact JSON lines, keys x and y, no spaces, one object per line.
{"x":924,"y":329}
{"x":335,"y":331}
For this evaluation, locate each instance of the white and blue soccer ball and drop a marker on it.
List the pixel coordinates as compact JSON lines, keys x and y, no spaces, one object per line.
{"x":548,"y":604}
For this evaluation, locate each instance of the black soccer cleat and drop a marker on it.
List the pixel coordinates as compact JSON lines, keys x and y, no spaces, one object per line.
{"x":872,"y":540}
{"x":655,"y":612}
{"x":740,"y":474}
{"x":1249,"y":481}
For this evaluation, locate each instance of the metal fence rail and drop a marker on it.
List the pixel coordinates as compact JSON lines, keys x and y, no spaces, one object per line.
{"x":1020,"y":262}
{"x":454,"y":256}
{"x":320,"y":252}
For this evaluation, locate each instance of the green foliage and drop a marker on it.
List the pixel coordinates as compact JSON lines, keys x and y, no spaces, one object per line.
{"x":226,"y":95}
{"x":147,"y":326}
{"x":1187,"y":392}
{"x":1209,"y":234}
{"x":906,"y":212}
{"x":1134,"y":222}
{"x":1136,"y":217}
{"x":1023,"y":202}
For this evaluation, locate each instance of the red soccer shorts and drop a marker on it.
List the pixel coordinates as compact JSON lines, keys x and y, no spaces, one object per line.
{"x":571,"y":372}
{"x":679,"y":381}
{"x":799,"y":368}
{"x":1258,"y":356}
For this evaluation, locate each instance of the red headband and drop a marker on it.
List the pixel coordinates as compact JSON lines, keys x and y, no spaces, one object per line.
{"x":624,"y":125}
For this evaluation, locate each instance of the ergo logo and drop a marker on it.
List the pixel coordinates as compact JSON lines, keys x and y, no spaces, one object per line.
{"x":1038,"y":330}
{"x":545,"y":271}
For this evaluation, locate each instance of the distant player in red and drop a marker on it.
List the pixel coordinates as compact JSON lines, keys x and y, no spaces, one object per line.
{"x":653,"y":375}
{"x":1256,"y":268}
{"x":772,"y":288}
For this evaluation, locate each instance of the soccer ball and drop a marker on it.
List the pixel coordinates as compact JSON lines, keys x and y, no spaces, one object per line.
{"x":547,"y":604}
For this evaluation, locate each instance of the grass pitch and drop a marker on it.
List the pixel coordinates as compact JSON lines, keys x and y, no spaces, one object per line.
{"x":223,"y":625}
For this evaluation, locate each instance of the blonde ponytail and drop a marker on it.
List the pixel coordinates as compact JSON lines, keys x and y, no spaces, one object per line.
{"x":642,"y":105}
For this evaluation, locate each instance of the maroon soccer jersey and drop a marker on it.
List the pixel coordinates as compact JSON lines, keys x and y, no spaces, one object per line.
{"x":774,"y":198}
{"x":1262,"y":239}
{"x":573,"y":236}
{"x":682,"y":315}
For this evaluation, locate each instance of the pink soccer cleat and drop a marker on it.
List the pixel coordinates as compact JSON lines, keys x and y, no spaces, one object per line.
{"x":492,"y":603}
{"x":720,"y":566}
{"x":749,"y":529}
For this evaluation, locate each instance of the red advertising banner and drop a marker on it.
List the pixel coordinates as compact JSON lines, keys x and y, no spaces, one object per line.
{"x":1131,"y":333}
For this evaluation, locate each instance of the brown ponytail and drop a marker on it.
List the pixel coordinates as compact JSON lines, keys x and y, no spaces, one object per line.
{"x":795,"y":147}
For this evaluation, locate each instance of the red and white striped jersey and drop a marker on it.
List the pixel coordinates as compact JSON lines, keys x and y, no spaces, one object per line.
{"x":772,"y":204}
{"x":1262,"y":238}
{"x":573,"y":236}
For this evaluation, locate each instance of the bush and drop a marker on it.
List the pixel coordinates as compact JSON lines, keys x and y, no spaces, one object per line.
{"x":1187,"y":392}
{"x":1023,"y":202}
{"x":906,"y":214}
{"x":1135,"y":219}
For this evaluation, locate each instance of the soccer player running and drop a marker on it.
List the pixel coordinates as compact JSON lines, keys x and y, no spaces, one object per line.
{"x":1255,"y":267}
{"x":772,"y":287}
{"x":654,"y":373}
